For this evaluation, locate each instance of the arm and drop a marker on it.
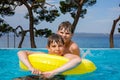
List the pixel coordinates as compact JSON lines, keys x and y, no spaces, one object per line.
{"x":23,"y":56}
{"x":74,"y":60}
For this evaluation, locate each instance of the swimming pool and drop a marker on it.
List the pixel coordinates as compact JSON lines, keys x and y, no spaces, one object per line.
{"x":106,"y":60}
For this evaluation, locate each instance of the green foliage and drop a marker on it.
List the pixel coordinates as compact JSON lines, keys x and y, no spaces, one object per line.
{"x":71,"y":6}
{"x":41,"y":12}
{"x":4,"y":28}
{"x":67,"y":7}
{"x":40,"y":0}
{"x":43,"y":32}
{"x":6,"y":11}
{"x":7,"y":7}
{"x":48,"y":15}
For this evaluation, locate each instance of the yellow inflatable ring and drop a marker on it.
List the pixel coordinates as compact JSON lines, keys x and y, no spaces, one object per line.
{"x":47,"y":62}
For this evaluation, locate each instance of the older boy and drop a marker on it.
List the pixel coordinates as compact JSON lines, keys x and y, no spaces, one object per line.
{"x":66,"y":31}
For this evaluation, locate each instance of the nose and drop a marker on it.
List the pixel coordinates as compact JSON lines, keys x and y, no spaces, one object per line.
{"x":63,"y":35}
{"x":57,"y":48}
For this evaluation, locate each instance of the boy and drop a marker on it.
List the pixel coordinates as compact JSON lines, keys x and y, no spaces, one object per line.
{"x":55,"y":46}
{"x":66,"y":31}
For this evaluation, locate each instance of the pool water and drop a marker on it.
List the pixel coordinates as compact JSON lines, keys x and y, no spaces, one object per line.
{"x":106,"y":60}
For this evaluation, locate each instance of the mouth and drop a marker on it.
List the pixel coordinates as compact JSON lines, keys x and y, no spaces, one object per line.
{"x":58,"y":52}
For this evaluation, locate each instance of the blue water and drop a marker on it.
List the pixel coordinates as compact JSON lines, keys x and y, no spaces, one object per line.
{"x":106,"y":60}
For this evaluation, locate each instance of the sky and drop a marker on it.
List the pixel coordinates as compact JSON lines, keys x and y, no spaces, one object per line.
{"x":99,"y":18}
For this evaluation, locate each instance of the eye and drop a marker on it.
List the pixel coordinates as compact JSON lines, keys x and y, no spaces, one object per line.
{"x":53,"y":46}
{"x":61,"y":32}
{"x":67,"y":33}
{"x":61,"y":45}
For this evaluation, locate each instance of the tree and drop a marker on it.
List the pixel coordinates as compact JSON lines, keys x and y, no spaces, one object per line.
{"x":111,"y":39}
{"x":112,"y":32}
{"x":75,"y":8}
{"x":38,"y":32}
{"x":38,"y":11}
{"x":22,"y":32}
{"x":34,"y":7}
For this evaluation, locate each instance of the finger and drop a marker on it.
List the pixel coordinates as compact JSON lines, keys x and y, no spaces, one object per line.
{"x":35,"y":72}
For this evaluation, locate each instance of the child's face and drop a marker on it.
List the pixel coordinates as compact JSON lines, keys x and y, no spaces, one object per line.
{"x":56,"y":48}
{"x":66,"y":34}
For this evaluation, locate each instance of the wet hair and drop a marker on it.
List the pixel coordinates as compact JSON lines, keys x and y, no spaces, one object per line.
{"x":55,"y":38}
{"x":66,"y":25}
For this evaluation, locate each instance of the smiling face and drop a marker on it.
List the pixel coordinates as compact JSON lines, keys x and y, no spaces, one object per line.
{"x":66,"y":34}
{"x":55,"y":45}
{"x":56,"y":48}
{"x":65,"y":30}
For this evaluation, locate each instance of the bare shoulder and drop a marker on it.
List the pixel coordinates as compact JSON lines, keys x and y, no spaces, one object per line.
{"x":74,"y":48}
{"x":74,"y":45}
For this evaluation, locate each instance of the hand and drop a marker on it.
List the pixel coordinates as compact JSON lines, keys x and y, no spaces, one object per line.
{"x":48,"y":74}
{"x":35,"y":71}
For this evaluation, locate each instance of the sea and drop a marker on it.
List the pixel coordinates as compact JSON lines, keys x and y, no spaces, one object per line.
{"x":84,"y":40}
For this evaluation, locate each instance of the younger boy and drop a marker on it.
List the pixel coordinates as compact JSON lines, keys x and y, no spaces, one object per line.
{"x":55,"y":46}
